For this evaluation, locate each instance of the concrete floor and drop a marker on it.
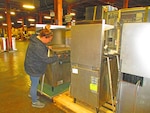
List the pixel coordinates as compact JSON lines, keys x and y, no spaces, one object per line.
{"x":15,"y":84}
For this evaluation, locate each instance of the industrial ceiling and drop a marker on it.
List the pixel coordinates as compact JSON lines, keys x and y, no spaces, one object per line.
{"x":45,"y":6}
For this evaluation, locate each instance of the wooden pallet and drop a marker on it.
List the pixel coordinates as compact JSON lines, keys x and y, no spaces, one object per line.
{"x":66,"y":102}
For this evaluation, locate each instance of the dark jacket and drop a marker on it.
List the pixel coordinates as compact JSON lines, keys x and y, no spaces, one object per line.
{"x":36,"y":59}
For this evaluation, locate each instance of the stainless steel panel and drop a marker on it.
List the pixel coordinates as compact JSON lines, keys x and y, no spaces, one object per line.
{"x":132,"y":16}
{"x":87,"y":44}
{"x":104,"y":94}
{"x":89,"y":13}
{"x":133,"y":93}
{"x":89,"y":78}
{"x":57,"y":74}
{"x":135,"y":55}
{"x":58,"y":37}
{"x":81,"y":79}
{"x":134,"y":98}
{"x":60,"y":71}
{"x":83,"y":88}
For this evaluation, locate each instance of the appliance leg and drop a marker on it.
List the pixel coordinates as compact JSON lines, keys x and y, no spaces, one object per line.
{"x":97,"y":110}
{"x":42,"y":83}
{"x":74,"y":100}
{"x":52,"y":89}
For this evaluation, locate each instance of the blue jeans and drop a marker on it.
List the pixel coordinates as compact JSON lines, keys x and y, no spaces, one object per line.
{"x":33,"y":88}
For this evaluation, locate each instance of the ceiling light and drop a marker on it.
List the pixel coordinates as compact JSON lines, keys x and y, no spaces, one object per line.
{"x":47,"y":17}
{"x":32,"y":24}
{"x":52,"y":26}
{"x":19,"y":21}
{"x":31,"y":20}
{"x":29,"y":6}
{"x":72,"y":14}
{"x":12,"y":13}
{"x":1,"y":17}
{"x":4,"y":24}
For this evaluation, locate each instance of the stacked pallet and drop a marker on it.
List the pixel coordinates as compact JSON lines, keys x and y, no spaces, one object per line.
{"x":66,"y":102}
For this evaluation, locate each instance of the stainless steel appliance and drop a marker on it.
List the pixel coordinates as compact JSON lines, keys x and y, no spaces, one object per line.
{"x":59,"y":73}
{"x":90,"y":81}
{"x":134,"y":81}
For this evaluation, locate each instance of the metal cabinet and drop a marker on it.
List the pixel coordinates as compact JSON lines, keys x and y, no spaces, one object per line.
{"x":59,"y":72}
{"x":89,"y":81}
{"x":134,"y":81}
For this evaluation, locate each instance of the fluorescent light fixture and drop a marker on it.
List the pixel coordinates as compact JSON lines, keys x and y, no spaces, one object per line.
{"x":32,"y":24}
{"x":52,"y":26}
{"x":47,"y":17}
{"x":4,"y":24}
{"x":29,"y":6}
{"x":19,"y":21}
{"x":31,"y":20}
{"x":12,"y":13}
{"x":72,"y":14}
{"x":1,"y":17}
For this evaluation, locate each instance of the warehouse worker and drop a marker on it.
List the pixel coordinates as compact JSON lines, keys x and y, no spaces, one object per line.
{"x":36,"y":61}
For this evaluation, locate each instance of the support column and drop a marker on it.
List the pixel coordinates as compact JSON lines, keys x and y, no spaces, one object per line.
{"x":58,"y":12}
{"x":22,"y":35}
{"x":68,"y":12}
{"x":40,"y":17}
{"x":9,"y":26}
{"x":125,"y":4}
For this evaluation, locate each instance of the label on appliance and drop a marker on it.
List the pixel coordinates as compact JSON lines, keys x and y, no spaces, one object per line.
{"x":93,"y":87}
{"x":74,"y":71}
{"x":94,"y":84}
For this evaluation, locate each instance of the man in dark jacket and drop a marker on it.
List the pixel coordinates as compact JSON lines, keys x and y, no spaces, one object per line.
{"x":36,"y":61}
